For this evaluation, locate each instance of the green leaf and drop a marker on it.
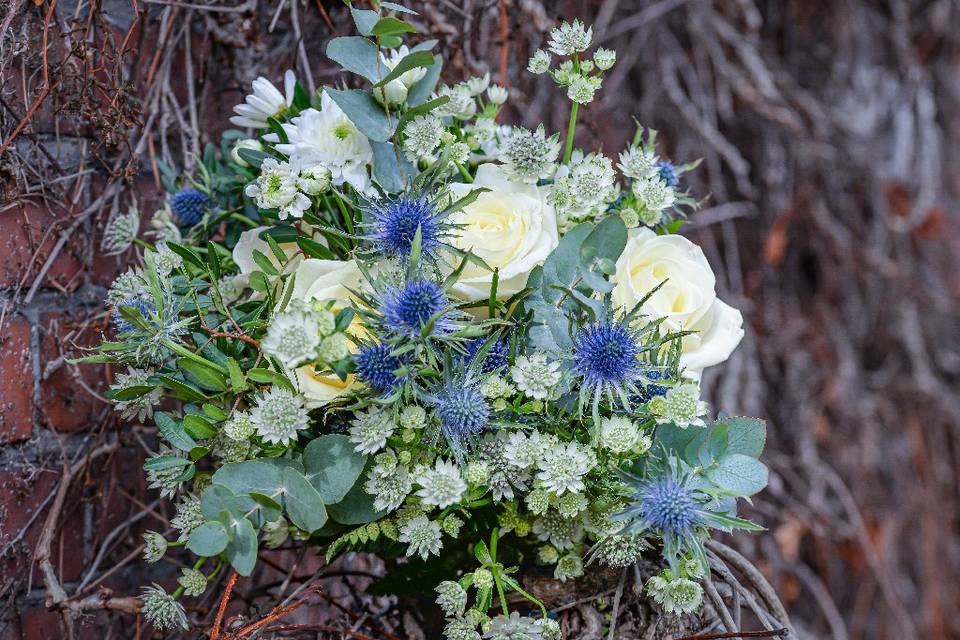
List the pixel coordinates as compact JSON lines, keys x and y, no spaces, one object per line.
{"x":252,"y":157}
{"x":390,"y":26}
{"x":364,"y":19}
{"x":129,"y":393}
{"x":267,"y":376}
{"x":251,"y":476}
{"x":302,"y":501}
{"x":365,"y":112}
{"x":187,"y":254}
{"x":202,"y":375}
{"x":356,"y":507}
{"x":238,"y":381}
{"x":332,"y":466}
{"x":561,"y":265}
{"x":173,"y":432}
{"x":393,"y":6}
{"x":607,"y":240}
{"x":421,"y":109}
{"x":423,"y":89}
{"x":387,"y":169}
{"x":242,"y":548}
{"x":314,"y":249}
{"x":198,"y":428}
{"x":358,"y":55}
{"x":214,"y":412}
{"x":209,"y":539}
{"x":746,"y":435}
{"x":739,"y":474}
{"x":219,"y":502}
{"x":410,"y":61}
{"x":164,"y":462}
{"x":184,"y":390}
{"x":264,"y":263}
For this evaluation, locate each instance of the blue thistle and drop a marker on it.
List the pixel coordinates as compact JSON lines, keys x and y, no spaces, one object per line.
{"x":463,"y":413}
{"x":668,"y":506}
{"x":668,"y":173}
{"x":605,"y":354}
{"x":375,"y":367}
{"x":495,"y":358}
{"x":650,"y":390}
{"x":408,"y":308}
{"x":393,"y":224}
{"x":189,"y":206}
{"x":120,"y":323}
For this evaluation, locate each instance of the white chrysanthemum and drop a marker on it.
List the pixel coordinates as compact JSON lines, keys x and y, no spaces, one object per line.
{"x":536,"y":376}
{"x":638,"y":164}
{"x":239,"y":426}
{"x":292,"y":338}
{"x":408,"y":78}
{"x":389,"y":486}
{"x":570,"y":38}
{"x":539,"y":63}
{"x":568,"y":567}
{"x":582,"y":89}
{"x":562,"y":468}
{"x":561,"y":532}
{"x":618,"y":434}
{"x":328,"y":137}
{"x":422,"y":536}
{"x":165,"y":260}
{"x":461,"y":105}
{"x":683,"y":406}
{"x":442,"y":485}
{"x":422,"y":136}
{"x":528,"y":156}
{"x":524,"y":451}
{"x":276,"y":188}
{"x":676,"y":596}
{"x":314,"y":179}
{"x":120,"y":232}
{"x":497,"y":94}
{"x":141,"y":407}
{"x":265,"y":102}
{"x":654,"y":194}
{"x":604,"y":58}
{"x":370,"y":430}
{"x":452,"y":598}
{"x":278,"y":415}
{"x":188,"y":516}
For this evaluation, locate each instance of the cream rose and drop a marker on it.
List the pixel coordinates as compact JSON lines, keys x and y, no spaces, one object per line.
{"x":688,"y":301}
{"x":325,"y":280}
{"x":251,"y":241}
{"x":511,"y":227}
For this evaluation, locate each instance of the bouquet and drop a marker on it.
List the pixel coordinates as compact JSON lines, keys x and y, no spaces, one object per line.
{"x":388,"y":322}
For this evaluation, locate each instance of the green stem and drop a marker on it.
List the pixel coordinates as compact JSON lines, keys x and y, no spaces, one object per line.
{"x":495,"y":569}
{"x":463,"y":172}
{"x":572,"y":127}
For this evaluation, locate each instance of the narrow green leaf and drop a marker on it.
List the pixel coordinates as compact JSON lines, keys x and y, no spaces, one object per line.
{"x":173,"y":432}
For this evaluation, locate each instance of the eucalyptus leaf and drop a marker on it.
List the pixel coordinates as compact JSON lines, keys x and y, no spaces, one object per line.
{"x":739,"y":474}
{"x":358,"y":55}
{"x":390,"y":172}
{"x":242,"y":548}
{"x":332,"y":466}
{"x":209,"y":539}
{"x":365,"y":112}
{"x":302,"y":502}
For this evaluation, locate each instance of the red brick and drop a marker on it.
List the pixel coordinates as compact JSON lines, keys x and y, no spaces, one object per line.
{"x":27,"y":236}
{"x":16,"y":372}
{"x":65,"y":405}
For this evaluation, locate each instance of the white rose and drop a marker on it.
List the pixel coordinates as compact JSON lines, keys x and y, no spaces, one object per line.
{"x":511,"y":227}
{"x":251,"y":241}
{"x":687,"y":302}
{"x":325,"y":280}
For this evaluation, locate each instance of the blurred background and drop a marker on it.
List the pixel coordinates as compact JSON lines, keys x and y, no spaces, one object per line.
{"x":829,"y":136}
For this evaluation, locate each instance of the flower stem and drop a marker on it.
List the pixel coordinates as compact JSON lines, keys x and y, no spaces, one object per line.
{"x":570,"y":129}
{"x":463,"y":172}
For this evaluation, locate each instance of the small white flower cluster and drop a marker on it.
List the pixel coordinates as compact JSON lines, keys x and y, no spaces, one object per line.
{"x":442,"y":485}
{"x":280,"y":183}
{"x":536,"y":376}
{"x":563,"y":467}
{"x":572,"y":39}
{"x":527,"y":156}
{"x":583,"y":189}
{"x":120,"y":232}
{"x":278,"y":414}
{"x":422,"y":536}
{"x":620,"y":435}
{"x":370,"y":429}
{"x":304,"y":333}
{"x":141,"y":407}
{"x":681,"y":405}
{"x":651,"y":190}
{"x":675,"y":595}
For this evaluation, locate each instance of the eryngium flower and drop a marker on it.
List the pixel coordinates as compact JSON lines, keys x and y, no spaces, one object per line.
{"x":376,"y":366}
{"x":120,"y":233}
{"x":570,"y":38}
{"x":189,"y":206}
{"x":495,"y":356}
{"x":528,"y":156}
{"x":278,"y":415}
{"x":668,"y":173}
{"x":422,"y":536}
{"x":409,"y":308}
{"x":605,"y":355}
{"x":161,"y":610}
{"x":393,"y":223}
{"x":463,"y":413}
{"x":120,"y":323}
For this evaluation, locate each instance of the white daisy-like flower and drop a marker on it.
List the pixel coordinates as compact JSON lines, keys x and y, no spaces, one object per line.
{"x":638,"y":164}
{"x":441,"y":486}
{"x":422,"y":136}
{"x":370,"y":430}
{"x":329,"y":138}
{"x":585,"y":186}
{"x":484,"y":129}
{"x":389,"y":486}
{"x":561,"y":532}
{"x":570,"y":38}
{"x":408,"y":78}
{"x":276,"y":188}
{"x":265,"y":102}
{"x":461,"y":106}
{"x":497,"y":94}
{"x":524,"y":451}
{"x":618,"y":434}
{"x":422,"y":536}
{"x":539,"y":63}
{"x":535,"y":375}
{"x":562,"y":468}
{"x":141,"y":407}
{"x":292,"y":338}
{"x":278,"y":415}
{"x":684,"y":407}
{"x":528,"y":156}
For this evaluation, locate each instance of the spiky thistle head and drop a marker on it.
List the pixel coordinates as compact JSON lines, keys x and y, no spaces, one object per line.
{"x":121,"y":324}
{"x":391,"y":225}
{"x":376,"y":365}
{"x":495,"y":357}
{"x":189,"y":206}
{"x":407,"y":309}
{"x":606,"y":359}
{"x":463,"y":413}
{"x":668,"y":173}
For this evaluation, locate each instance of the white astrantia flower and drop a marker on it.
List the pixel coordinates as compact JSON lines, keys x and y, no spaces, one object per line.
{"x":461,"y":106}
{"x":528,"y":156}
{"x":582,"y":89}
{"x":484,"y":129}
{"x":314,"y":180}
{"x":276,"y":188}
{"x":654,"y":194}
{"x":389,"y":485}
{"x":239,"y":426}
{"x":441,"y":486}
{"x":677,"y":596}
{"x":265,"y":102}
{"x":165,"y":260}
{"x":568,"y":567}
{"x":188,"y":516}
{"x":524,"y":451}
{"x":168,"y":479}
{"x":684,"y":407}
{"x":141,"y":407}
{"x":292,"y":338}
{"x":562,"y":468}
{"x":408,"y":78}
{"x":154,"y":547}
{"x":161,"y":610}
{"x":502,"y":478}
{"x":562,"y":533}
{"x":539,"y":63}
{"x":514,"y":627}
{"x":618,"y":434}
{"x":329,"y":138}
{"x":459,"y":152}
{"x":422,"y":136}
{"x":422,"y":536}
{"x":413,"y":417}
{"x":370,"y":430}
{"x":194,"y":583}
{"x":638,"y":164}
{"x":278,"y":415}
{"x":478,"y":84}
{"x":535,"y":375}
{"x":584,"y":187}
{"x":604,"y":58}
{"x":570,"y":38}
{"x":497,"y":94}
{"x":451,"y":597}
